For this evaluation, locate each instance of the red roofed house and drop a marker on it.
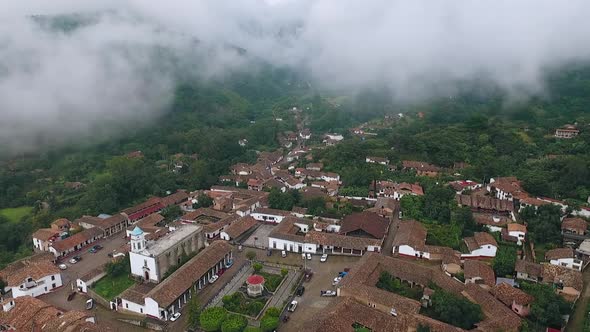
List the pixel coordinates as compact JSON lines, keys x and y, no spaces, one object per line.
{"x":519,"y":301}
{"x":255,"y":184}
{"x":364,"y":224}
{"x":33,"y":276}
{"x":480,"y":273}
{"x":480,"y":245}
{"x":577,"y":226}
{"x":144,"y":209}
{"x":564,"y":257}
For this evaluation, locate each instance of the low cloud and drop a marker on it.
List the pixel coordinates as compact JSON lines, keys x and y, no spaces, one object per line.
{"x":57,"y":87}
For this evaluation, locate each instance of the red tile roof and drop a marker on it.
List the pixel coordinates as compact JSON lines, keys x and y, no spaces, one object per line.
{"x":559,"y":253}
{"x":578,"y":224}
{"x":508,"y":294}
{"x":368,"y":222}
{"x":410,"y":233}
{"x":477,"y":269}
{"x":76,"y":239}
{"x":36,"y":267}
{"x":240,"y":226}
{"x":166,"y":292}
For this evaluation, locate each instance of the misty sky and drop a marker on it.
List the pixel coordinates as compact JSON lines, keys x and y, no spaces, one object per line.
{"x":56,"y":88}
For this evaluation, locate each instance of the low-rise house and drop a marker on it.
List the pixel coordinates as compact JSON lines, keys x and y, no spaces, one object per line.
{"x":109,"y":226}
{"x":506,"y":188}
{"x":396,"y":190}
{"x":255,"y":184}
{"x":526,"y":270}
{"x":76,"y":242}
{"x":30,"y":314}
{"x":269,"y":215}
{"x":314,"y":166}
{"x":32,"y":276}
{"x":574,"y":226}
{"x":493,"y":222}
{"x":479,"y":273}
{"x":462,"y":185}
{"x":238,"y":228}
{"x":161,"y":301}
{"x":289,"y":235}
{"x":337,"y":244}
{"x":364,"y":224}
{"x":293,"y":183}
{"x":44,"y":237}
{"x":534,"y":202}
{"x":482,"y":244}
{"x":564,"y":257}
{"x":487,"y":204}
{"x":451,"y":262}
{"x":566,"y":282}
{"x":421,"y":168}
{"x":410,"y":239}
{"x":517,"y":231}
{"x":583,"y":250}
{"x":519,"y":301}
{"x":377,"y":160}
{"x":89,"y":278}
{"x":567,"y":131}
{"x":144,"y":209}
{"x":305,"y":134}
{"x":148,"y":224}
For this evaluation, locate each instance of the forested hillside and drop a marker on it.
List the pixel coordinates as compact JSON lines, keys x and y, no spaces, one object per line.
{"x":202,"y":126}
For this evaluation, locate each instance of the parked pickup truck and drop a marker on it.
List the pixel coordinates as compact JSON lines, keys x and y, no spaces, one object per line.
{"x":328,"y":293}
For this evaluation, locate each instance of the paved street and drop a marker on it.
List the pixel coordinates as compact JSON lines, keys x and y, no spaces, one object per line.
{"x":283,"y":293}
{"x":388,"y":243}
{"x":91,"y":261}
{"x":311,"y":301}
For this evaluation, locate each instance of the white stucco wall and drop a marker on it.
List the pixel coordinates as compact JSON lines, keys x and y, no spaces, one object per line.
{"x":487,"y":250}
{"x":44,"y":286}
{"x":567,"y":262}
{"x":137,"y":262}
{"x":269,"y":217}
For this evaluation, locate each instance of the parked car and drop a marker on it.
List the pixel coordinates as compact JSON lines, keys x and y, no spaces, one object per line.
{"x":75,"y":259}
{"x":308,"y":274}
{"x":92,"y":250}
{"x":324,"y":258}
{"x":327,"y":293}
{"x":97,"y":247}
{"x":300,"y":290}
{"x":283,"y":253}
{"x":302,"y":255}
{"x":62,"y":266}
{"x":292,"y":306}
{"x":269,"y":252}
{"x":336,"y":281}
{"x":213,"y":278}
{"x":175,"y":316}
{"x":342,"y":274}
{"x":308,"y":256}
{"x":89,"y":304}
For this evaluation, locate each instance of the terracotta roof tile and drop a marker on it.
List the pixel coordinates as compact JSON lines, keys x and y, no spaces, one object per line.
{"x":36,"y":267}
{"x":182,"y":279}
{"x":410,"y":233}
{"x":76,"y":239}
{"x":508,"y":294}
{"x":475,"y":269}
{"x":575,"y":224}
{"x":240,"y":226}
{"x":530,"y":268}
{"x":368,"y":222}
{"x":558,"y":253}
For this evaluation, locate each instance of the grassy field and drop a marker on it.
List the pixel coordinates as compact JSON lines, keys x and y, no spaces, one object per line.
{"x":16,"y":214}
{"x":109,"y":287}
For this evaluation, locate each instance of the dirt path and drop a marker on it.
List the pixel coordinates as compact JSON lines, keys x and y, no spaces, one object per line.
{"x":576,"y":322}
